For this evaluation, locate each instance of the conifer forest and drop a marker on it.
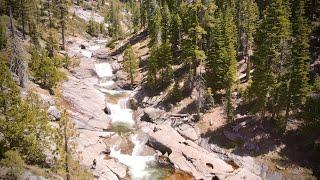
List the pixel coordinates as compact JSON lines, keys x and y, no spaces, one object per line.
{"x":159,"y":89}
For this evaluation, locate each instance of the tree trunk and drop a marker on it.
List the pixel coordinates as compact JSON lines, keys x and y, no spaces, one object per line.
{"x":22,"y":18}
{"x":248,"y":63}
{"x":66,"y":151}
{"x":62,"y":23}
{"x":11,"y":19}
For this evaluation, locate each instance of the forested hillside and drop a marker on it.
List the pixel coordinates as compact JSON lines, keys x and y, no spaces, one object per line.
{"x":159,"y":89}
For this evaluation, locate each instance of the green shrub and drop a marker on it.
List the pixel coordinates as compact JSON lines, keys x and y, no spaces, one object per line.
{"x":45,"y":69}
{"x":175,"y":93}
{"x":14,"y":163}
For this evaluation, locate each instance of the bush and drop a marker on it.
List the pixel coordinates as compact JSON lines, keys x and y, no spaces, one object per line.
{"x":3,"y":36}
{"x":93,"y":28}
{"x":14,"y":163}
{"x":45,"y":69}
{"x":111,"y":44}
{"x":175,"y":93}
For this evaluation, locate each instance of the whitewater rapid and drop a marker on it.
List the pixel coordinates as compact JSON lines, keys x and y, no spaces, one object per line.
{"x":122,"y":114}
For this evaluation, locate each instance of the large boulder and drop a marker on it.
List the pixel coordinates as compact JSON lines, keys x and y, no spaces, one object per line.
{"x":189,"y":157}
{"x":107,"y":110}
{"x":247,"y":165}
{"x":117,"y":168}
{"x":102,"y":54}
{"x":151,"y":114}
{"x":115,"y":66}
{"x":54,"y":113}
{"x":188,"y":132}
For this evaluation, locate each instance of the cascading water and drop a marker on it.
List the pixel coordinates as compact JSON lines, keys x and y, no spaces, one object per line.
{"x":138,"y":164}
{"x":122,"y":115}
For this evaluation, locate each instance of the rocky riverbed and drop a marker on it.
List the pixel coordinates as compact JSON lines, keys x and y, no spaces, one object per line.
{"x":149,"y":146}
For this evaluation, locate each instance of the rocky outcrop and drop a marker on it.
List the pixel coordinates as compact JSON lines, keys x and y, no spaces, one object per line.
{"x":115,"y":66}
{"x":54,"y":113}
{"x":151,"y":114}
{"x":187,"y":156}
{"x":102,"y":54}
{"x":247,"y":164}
{"x":107,"y":110}
{"x":188,"y":132}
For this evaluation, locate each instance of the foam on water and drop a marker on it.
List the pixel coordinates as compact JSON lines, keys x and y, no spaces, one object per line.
{"x":120,"y":112}
{"x":106,"y":84}
{"x":137,"y":164}
{"x":103,"y":70}
{"x":94,"y":47}
{"x":86,"y":53}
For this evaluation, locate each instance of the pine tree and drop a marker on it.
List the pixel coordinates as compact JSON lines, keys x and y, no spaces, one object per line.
{"x":216,"y":65}
{"x":24,"y":123}
{"x":63,"y":14}
{"x":152,"y":69}
{"x":44,"y":69}
{"x":65,"y":150}
{"x":175,"y":93}
{"x":143,"y":12}
{"x":165,"y":23}
{"x":135,"y":16}
{"x":269,"y":86}
{"x":175,"y":34}
{"x":114,"y":18}
{"x":247,"y":21}
{"x":209,"y":22}
{"x":160,"y":61}
{"x":51,"y":43}
{"x":299,"y":87}
{"x":9,"y":94}
{"x":164,"y":62}
{"x":3,"y":34}
{"x":229,"y":31}
{"x":154,"y":27}
{"x":23,"y":20}
{"x":130,"y":63}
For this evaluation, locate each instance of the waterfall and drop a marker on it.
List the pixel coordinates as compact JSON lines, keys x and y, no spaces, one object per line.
{"x":103,"y":70}
{"x":137,"y":164}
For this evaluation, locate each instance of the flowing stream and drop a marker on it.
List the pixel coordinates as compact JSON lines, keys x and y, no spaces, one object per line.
{"x":141,"y":165}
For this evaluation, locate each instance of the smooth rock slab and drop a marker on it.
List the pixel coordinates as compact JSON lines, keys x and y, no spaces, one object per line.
{"x":189,"y":157}
{"x":188,"y":132}
{"x":186,"y":155}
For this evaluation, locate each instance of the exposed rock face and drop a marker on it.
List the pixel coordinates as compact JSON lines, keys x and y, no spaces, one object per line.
{"x":247,"y":163}
{"x":102,"y":54}
{"x":48,"y":100}
{"x":188,"y":132}
{"x":107,"y":110}
{"x":151,"y":114}
{"x":86,"y":15}
{"x":187,"y":156}
{"x":54,"y":113}
{"x":115,"y":66}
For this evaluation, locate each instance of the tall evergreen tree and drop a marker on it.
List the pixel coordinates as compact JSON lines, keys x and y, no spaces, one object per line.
{"x":165,"y":23}
{"x":63,"y":15}
{"x":130,"y":63}
{"x":114,"y":18}
{"x":270,"y":81}
{"x":299,"y":87}
{"x":216,"y":66}
{"x":154,"y":27}
{"x":229,"y":31}
{"x":3,"y":34}
{"x":247,"y":21}
{"x":175,"y":33}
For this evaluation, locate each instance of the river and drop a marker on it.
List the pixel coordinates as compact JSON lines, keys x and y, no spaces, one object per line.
{"x":89,"y":89}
